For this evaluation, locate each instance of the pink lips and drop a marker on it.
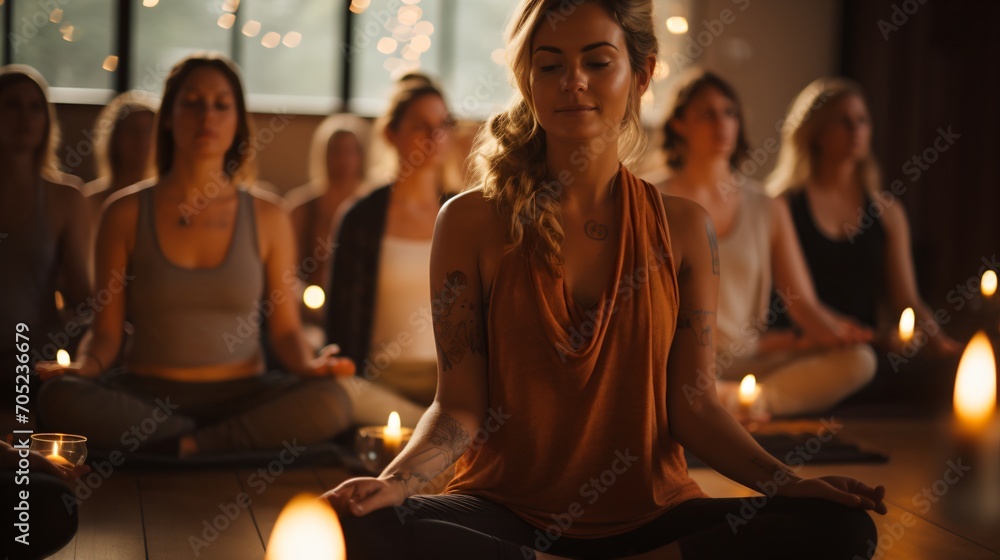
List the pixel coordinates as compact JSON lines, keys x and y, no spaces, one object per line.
{"x":576,"y":109}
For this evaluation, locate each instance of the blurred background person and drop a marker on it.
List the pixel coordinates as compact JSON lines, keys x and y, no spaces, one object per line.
{"x":378,"y":311}
{"x":705,"y":143}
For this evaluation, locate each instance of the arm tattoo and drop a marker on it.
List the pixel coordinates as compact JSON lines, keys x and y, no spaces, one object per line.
{"x":698,"y":321}
{"x":457,"y":321}
{"x":595,"y":231}
{"x":445,"y":441}
{"x":713,"y":244}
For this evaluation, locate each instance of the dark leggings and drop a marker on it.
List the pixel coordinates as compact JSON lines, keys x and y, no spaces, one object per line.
{"x":460,"y":527}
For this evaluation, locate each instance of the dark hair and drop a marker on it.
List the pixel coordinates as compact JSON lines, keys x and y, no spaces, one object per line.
{"x":45,"y":156}
{"x":674,"y":144}
{"x":240,"y":155}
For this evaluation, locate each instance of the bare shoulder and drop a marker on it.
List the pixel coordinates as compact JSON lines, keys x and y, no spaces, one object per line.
{"x":268,"y":207}
{"x":124,"y":204}
{"x":470,"y":216}
{"x":894,"y":217}
{"x":62,"y":193}
{"x":689,"y":225}
{"x":301,"y":195}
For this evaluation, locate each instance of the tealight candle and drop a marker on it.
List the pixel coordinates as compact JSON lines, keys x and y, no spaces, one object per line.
{"x":988,"y":284}
{"x":306,"y":529}
{"x":378,"y":445}
{"x":58,"y":459}
{"x":749,"y":405}
{"x":906,"y":324}
{"x":65,"y":450}
{"x":62,"y":358}
{"x":393,"y":433}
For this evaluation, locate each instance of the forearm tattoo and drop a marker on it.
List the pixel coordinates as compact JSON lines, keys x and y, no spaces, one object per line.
{"x":445,"y":443}
{"x":458,"y":327}
{"x":698,"y":320}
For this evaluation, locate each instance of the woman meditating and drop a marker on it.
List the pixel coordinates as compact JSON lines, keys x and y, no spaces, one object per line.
{"x":803,"y":373}
{"x":378,"y":310}
{"x":573,"y":306}
{"x":858,"y":250}
{"x":201,"y":263}
{"x":43,"y":246}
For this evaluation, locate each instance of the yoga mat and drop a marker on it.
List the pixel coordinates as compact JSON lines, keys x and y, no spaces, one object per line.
{"x":806,"y":447}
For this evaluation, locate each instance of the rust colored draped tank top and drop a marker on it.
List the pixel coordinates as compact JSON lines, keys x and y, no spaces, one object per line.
{"x":578,"y":397}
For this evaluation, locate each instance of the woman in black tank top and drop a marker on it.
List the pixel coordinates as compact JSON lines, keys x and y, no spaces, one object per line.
{"x":855,"y":236}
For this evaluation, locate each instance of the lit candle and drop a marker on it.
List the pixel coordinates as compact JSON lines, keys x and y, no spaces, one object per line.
{"x":393,"y":433}
{"x":749,"y":391}
{"x":988,"y":285}
{"x":56,"y":458}
{"x":306,"y":529}
{"x":62,"y":358}
{"x":314,"y":297}
{"x":906,"y":323}
{"x":975,"y":396}
{"x":974,"y":501}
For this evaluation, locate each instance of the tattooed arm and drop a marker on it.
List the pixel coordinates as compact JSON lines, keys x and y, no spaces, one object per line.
{"x":697,"y":420}
{"x":445,"y":432}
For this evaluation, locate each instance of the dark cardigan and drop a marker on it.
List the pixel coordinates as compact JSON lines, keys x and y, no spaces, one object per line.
{"x":350,"y":311}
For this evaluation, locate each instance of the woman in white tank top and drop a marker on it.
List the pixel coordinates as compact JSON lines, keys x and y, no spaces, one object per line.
{"x":757,"y":249}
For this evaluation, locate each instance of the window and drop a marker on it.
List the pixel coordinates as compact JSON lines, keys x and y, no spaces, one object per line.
{"x":292,"y":54}
{"x":167,"y":31}
{"x":389,"y":39}
{"x":71,"y":43}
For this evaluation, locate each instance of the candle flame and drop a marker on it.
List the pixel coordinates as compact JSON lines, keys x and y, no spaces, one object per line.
{"x":55,"y":448}
{"x":906,"y":322}
{"x":394,"y":427}
{"x":748,"y":389}
{"x":988,"y":285}
{"x":62,"y":358}
{"x":976,"y":383}
{"x":306,"y":529}
{"x":314,"y":297}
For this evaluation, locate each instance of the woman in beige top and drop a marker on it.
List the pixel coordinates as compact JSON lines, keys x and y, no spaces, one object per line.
{"x":807,"y":371}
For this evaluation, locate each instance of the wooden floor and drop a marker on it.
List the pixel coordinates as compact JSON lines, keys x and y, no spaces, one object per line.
{"x":173,"y":515}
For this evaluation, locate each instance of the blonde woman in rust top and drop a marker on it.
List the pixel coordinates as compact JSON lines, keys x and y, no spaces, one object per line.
{"x":561,"y":390}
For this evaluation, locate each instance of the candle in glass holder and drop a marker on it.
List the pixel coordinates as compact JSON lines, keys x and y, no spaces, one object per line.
{"x":306,"y":529}
{"x":907,"y":322}
{"x":65,"y":450}
{"x":378,"y":445}
{"x":750,"y":406}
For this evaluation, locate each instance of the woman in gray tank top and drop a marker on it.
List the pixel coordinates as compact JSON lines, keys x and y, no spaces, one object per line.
{"x":196,"y":263}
